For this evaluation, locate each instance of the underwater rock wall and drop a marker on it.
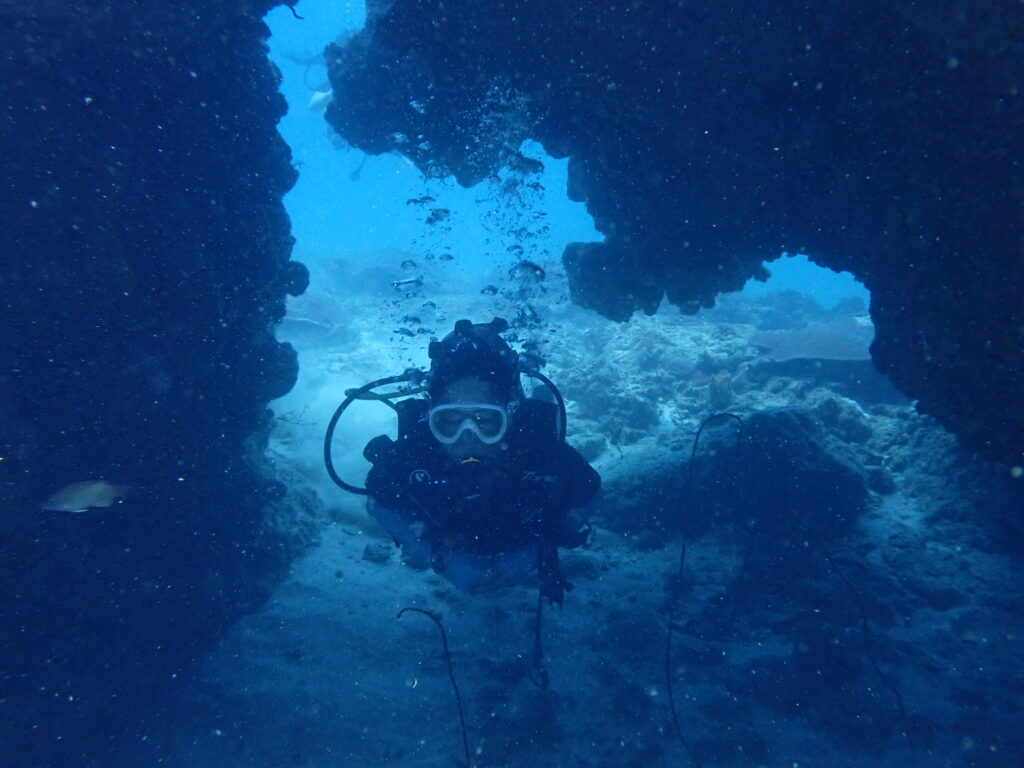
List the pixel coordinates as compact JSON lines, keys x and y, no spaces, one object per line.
{"x":705,"y":138}
{"x":145,"y":263}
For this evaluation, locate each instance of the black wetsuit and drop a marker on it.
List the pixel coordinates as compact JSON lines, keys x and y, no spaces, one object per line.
{"x":520,"y":501}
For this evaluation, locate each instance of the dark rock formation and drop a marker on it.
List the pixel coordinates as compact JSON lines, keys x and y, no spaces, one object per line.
{"x":788,"y":480}
{"x":882,"y":138}
{"x":145,"y":263}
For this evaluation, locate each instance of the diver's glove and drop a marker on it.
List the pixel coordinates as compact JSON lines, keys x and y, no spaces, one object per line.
{"x":571,"y":539}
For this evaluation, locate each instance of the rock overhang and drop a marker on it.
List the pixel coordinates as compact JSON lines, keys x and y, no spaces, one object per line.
{"x":879,"y":138}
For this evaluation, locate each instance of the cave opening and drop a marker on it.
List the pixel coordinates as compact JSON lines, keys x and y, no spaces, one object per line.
{"x":364,"y":223}
{"x":219,"y":603}
{"x":798,"y":272}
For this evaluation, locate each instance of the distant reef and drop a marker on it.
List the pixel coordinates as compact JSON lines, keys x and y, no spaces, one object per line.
{"x":883,"y":138}
{"x":145,"y":261}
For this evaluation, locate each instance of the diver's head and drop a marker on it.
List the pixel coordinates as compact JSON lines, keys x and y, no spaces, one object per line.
{"x":475,"y":351}
{"x":470,"y":419}
{"x":473,"y":384}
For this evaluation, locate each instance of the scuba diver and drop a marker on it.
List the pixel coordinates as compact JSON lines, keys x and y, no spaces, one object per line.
{"x":480,"y":485}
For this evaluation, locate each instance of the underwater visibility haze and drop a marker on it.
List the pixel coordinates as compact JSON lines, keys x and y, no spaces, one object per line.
{"x":520,"y":383}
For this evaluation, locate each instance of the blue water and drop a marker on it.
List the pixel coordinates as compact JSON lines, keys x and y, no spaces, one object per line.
{"x":796,"y":272}
{"x":808,"y":627}
{"x":331,"y":213}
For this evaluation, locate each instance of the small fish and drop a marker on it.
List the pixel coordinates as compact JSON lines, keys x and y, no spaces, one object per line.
{"x":414,"y":281}
{"x":78,"y":497}
{"x":528,"y":270}
{"x":864,"y":321}
{"x":408,"y":264}
{"x":403,"y":332}
{"x":489,"y":290}
{"x":411,"y":319}
{"x":419,"y":200}
{"x":319,"y":100}
{"x":446,"y":257}
{"x":429,"y":305}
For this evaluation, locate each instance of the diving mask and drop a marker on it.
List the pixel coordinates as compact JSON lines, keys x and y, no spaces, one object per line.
{"x":487,"y":421}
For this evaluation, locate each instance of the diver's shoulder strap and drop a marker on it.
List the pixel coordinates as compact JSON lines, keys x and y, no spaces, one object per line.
{"x":537,"y":421}
{"x":412,"y":414}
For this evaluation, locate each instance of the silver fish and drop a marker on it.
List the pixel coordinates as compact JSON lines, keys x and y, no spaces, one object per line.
{"x":320,"y":100}
{"x":78,"y":497}
{"x":414,"y":281}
